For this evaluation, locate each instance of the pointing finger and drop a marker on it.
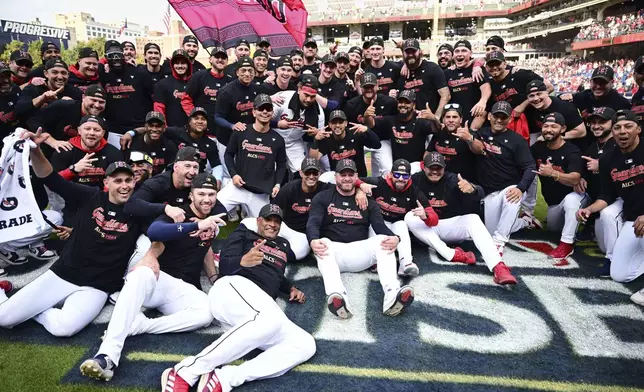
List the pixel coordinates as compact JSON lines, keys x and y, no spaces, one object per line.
{"x":419,"y":205}
{"x":259,"y":244}
{"x":587,"y":158}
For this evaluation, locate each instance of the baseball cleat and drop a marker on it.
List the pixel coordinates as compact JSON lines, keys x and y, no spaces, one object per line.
{"x":3,"y":272}
{"x":638,"y":297}
{"x":338,"y":306}
{"x":531,"y":221}
{"x":172,"y":382}
{"x":41,"y":253}
{"x":586,"y":234}
{"x":12,"y":258}
{"x":562,"y":251}
{"x":502,"y":275}
{"x":604,"y":270}
{"x":6,"y":286}
{"x":460,"y":256}
{"x":209,"y":383}
{"x":409,"y":269}
{"x":100,"y":367}
{"x":403,"y":298}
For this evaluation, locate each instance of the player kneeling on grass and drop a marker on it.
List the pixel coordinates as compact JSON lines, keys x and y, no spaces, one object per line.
{"x":167,"y":279}
{"x":252,"y":269}
{"x":455,"y":201}
{"x":397,"y":196}
{"x":622,"y":176}
{"x":94,"y":259}
{"x":559,"y":167}
{"x":338,"y":232}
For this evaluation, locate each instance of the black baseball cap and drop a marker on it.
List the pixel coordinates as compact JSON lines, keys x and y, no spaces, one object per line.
{"x":310,"y":164}
{"x":180,"y":53}
{"x":355,"y":49}
{"x":110,"y":43}
{"x":190,"y":38}
{"x":48,"y":45}
{"x":310,"y":42}
{"x":309,"y":81}
{"x":409,"y":95}
{"x":55,"y":63}
{"x":556,"y":118}
{"x":90,"y":118}
{"x":261,"y":100}
{"x":625,"y":115}
{"x":198,"y":110}
{"x":263,"y":42}
{"x":603,"y":112}
{"x":187,"y":153}
{"x":501,"y":107}
{"x":434,"y":158}
{"x":243,"y":42}
{"x":445,"y":46}
{"x":118,"y":167}
{"x":377,"y":41}
{"x":337,"y":114}
{"x":124,"y":43}
{"x":366,"y":45}
{"x":245,"y":62}
{"x":260,"y":53}
{"x":217,"y":50}
{"x":494,"y":57}
{"x":139,"y":157}
{"x":603,"y":72}
{"x":328,"y":59}
{"x":204,"y":180}
{"x":4,"y":68}
{"x":369,"y":79}
{"x":411,"y":43}
{"x":346,"y":164}
{"x":536,"y":85}
{"x":342,"y":55}
{"x":401,"y":166}
{"x":463,"y":44}
{"x":271,"y":210}
{"x":86,"y":52}
{"x":496,"y":41}
{"x":453,"y":107}
{"x":297,"y":52}
{"x":155,"y":116}
{"x":21,"y":55}
{"x":151,"y":45}
{"x":96,"y":91}
{"x":284,"y":61}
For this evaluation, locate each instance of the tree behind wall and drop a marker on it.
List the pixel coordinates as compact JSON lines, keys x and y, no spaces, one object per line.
{"x":70,"y":56}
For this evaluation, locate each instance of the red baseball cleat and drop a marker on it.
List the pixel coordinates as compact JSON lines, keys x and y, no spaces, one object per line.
{"x":460,"y":256}
{"x":6,"y":286}
{"x":172,"y":382}
{"x":502,"y":274}
{"x":562,"y":251}
{"x":209,"y":383}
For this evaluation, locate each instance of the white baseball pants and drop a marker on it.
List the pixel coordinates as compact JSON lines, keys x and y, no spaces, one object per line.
{"x":299,"y":243}
{"x":404,"y":246}
{"x":251,"y":319}
{"x":500,"y":215}
{"x":184,"y":308}
{"x":295,"y":154}
{"x":54,"y":217}
{"x":221,"y":151}
{"x":608,"y":227}
{"x":453,"y":230}
{"x":530,"y":199}
{"x":381,"y":159}
{"x":564,"y":216}
{"x":627,"y":262}
{"x":231,"y":196}
{"x":356,"y":256}
{"x":81,"y":305}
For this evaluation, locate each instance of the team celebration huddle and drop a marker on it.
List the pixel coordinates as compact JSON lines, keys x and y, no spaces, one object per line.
{"x":342,"y":160}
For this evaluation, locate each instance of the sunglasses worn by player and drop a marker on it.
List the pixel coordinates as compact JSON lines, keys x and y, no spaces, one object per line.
{"x":404,"y":176}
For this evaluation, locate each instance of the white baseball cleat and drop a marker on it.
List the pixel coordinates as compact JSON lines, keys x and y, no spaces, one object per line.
{"x":100,"y":367}
{"x":638,"y":297}
{"x":338,"y":306}
{"x":396,"y":301}
{"x":409,"y":269}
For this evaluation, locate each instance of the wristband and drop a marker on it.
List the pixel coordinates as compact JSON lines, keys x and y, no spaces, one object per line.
{"x":131,"y":132}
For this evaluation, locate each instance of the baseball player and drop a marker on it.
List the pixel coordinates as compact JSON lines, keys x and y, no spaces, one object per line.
{"x":504,"y":170}
{"x":95,"y":255}
{"x":151,"y":139}
{"x":142,"y":166}
{"x":396,"y":196}
{"x":337,"y":226}
{"x":256,"y":160}
{"x":455,"y":200}
{"x":559,"y":165}
{"x":167,"y":279}
{"x":252,"y":267}
{"x":622,"y":176}
{"x":298,"y":117}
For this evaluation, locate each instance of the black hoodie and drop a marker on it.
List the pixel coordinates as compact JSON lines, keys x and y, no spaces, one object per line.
{"x":168,"y":94}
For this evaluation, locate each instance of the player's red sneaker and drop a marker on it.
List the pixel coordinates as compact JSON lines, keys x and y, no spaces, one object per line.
{"x":209,"y":383}
{"x":562,"y":251}
{"x":460,"y":256}
{"x":172,"y":382}
{"x":502,"y":274}
{"x":6,"y":286}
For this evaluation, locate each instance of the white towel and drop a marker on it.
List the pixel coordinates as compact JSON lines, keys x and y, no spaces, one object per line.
{"x":20,"y":216}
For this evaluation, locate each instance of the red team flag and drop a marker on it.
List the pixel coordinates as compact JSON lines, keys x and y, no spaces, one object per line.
{"x":226,"y":22}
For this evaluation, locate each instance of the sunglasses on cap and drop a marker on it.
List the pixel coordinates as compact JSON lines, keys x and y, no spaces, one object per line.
{"x":452,"y":106}
{"x":139,"y":157}
{"x":114,"y":56}
{"x":404,"y":176}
